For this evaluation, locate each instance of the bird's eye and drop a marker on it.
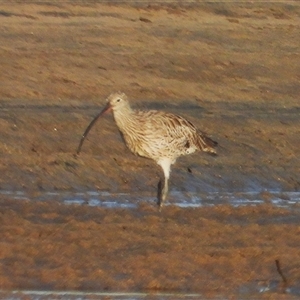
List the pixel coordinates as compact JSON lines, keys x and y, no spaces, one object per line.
{"x":118,"y":100}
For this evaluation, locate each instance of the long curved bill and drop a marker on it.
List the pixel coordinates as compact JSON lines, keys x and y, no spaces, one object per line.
{"x":105,"y":109}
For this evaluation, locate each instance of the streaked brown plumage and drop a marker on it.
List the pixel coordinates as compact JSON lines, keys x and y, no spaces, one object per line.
{"x":154,"y":134}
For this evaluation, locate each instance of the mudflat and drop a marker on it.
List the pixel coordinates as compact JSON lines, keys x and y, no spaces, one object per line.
{"x":232,"y":69}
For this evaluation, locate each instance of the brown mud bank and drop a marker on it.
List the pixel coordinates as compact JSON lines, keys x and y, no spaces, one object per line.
{"x":231,"y":69}
{"x":211,"y":251}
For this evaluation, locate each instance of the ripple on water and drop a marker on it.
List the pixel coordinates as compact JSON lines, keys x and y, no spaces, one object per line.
{"x":246,"y":291}
{"x":180,"y":199}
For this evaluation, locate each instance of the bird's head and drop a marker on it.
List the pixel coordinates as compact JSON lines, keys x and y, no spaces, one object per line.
{"x":117,"y":101}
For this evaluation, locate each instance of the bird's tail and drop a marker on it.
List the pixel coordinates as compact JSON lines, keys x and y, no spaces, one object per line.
{"x":206,"y":144}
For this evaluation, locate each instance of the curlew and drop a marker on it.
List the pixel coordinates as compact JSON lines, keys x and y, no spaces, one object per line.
{"x":153,"y":134}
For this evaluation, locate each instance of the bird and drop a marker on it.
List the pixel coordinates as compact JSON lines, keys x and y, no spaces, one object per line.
{"x":158,"y":135}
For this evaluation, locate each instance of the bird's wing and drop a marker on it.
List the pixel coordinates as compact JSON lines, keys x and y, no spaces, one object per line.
{"x":166,"y":124}
{"x":179,"y":128}
{"x":167,"y":129}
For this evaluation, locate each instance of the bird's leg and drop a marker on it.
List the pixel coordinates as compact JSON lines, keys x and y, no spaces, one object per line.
{"x":163,"y":186}
{"x":164,"y":191}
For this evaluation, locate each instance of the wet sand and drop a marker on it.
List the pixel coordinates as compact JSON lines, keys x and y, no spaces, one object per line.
{"x":213,"y":250}
{"x":231,"y":69}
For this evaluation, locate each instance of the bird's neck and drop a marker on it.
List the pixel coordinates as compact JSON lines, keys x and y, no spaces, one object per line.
{"x":124,"y":118}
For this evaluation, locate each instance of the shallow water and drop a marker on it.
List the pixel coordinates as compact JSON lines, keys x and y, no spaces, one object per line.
{"x":250,"y":290}
{"x":184,"y":200}
{"x":37,"y":295}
